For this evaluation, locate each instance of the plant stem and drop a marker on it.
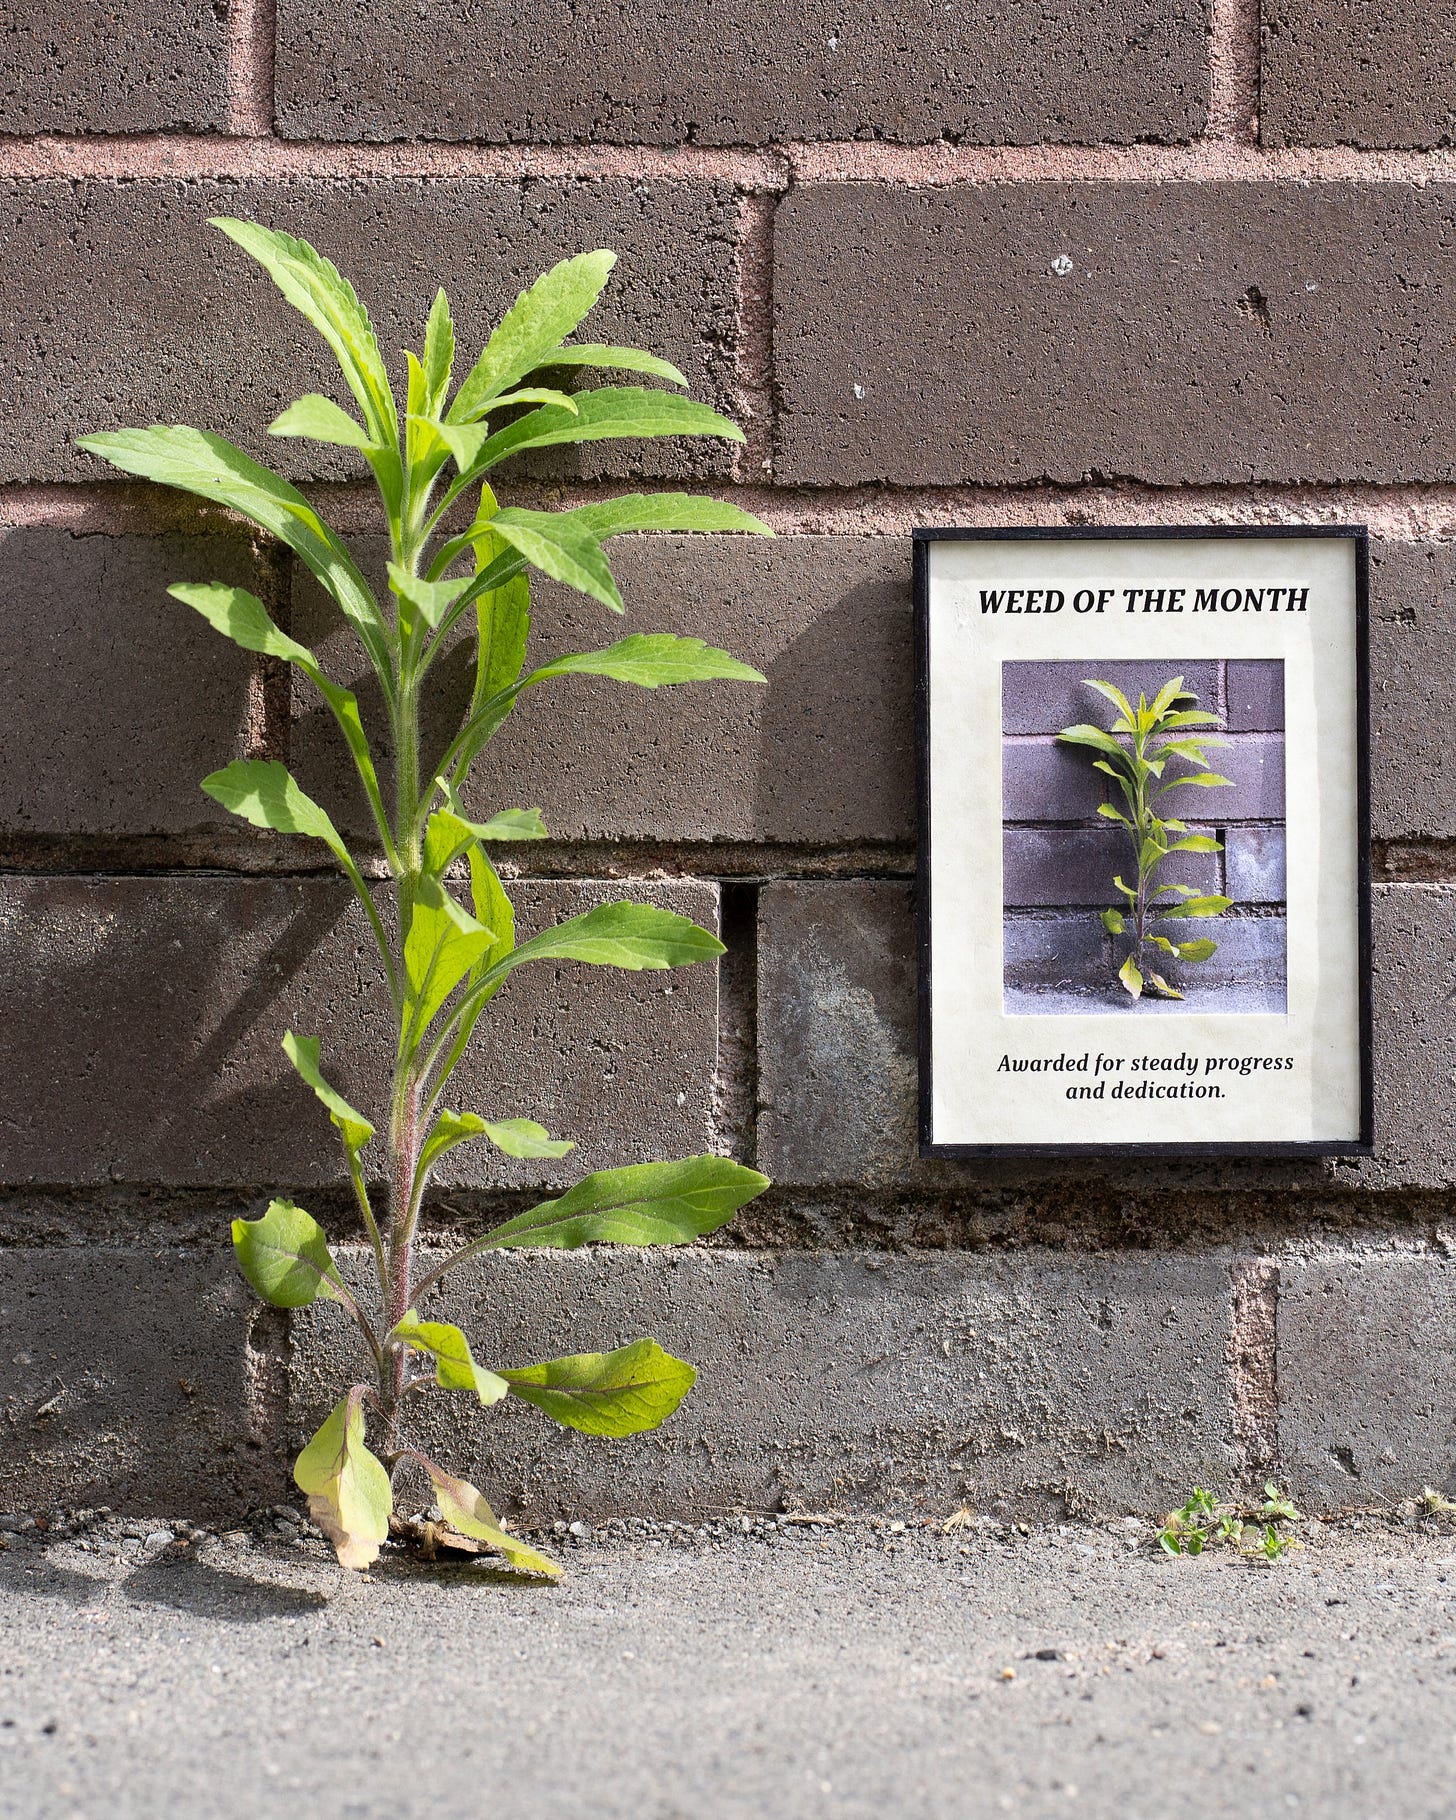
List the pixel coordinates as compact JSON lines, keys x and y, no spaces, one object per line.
{"x":404,"y":1145}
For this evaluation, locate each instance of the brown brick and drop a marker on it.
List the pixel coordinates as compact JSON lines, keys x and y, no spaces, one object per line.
{"x":358,"y":69}
{"x":104,"y":67}
{"x":1022,"y":1384}
{"x":1362,"y":72}
{"x":143,"y":1018}
{"x":824,"y":753}
{"x":130,"y":309}
{"x":1366,"y":1381}
{"x":1057,"y":866}
{"x":1207,"y":332}
{"x":1412,"y":630}
{"x":128,"y":1382}
{"x":120,"y":699}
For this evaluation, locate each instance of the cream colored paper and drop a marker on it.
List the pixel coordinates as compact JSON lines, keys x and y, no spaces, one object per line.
{"x":973,"y":1102}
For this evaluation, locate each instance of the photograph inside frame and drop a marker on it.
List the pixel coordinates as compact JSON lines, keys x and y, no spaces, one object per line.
{"x":1143,"y":842}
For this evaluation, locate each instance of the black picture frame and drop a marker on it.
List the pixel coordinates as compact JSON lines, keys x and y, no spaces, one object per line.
{"x":922,"y":537}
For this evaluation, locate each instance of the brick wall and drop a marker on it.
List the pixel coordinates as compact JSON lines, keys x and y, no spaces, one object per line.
{"x":847,"y":224}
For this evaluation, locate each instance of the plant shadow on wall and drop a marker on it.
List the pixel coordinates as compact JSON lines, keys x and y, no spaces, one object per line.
{"x":1143,"y":837}
{"x":459,"y":564}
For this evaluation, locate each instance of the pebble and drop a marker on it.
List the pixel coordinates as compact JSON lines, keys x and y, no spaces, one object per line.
{"x":578,"y":1528}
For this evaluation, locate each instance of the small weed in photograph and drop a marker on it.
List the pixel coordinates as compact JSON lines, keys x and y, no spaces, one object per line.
{"x":1135,"y":753}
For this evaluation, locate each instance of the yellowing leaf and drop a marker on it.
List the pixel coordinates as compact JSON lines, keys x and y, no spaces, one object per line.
{"x":348,"y":1490}
{"x":463,"y":1508}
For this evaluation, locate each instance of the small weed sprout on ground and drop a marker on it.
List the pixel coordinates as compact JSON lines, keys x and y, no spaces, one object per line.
{"x":1155,"y":734}
{"x":459,"y":565}
{"x":1259,"y":1533}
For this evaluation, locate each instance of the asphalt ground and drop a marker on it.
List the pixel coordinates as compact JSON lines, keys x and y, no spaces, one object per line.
{"x":801,"y":1669}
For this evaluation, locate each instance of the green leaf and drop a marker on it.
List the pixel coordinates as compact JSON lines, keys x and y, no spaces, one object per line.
{"x":1113,"y":694}
{"x":494,"y":908}
{"x":1092,"y":736}
{"x":262,"y":791}
{"x":354,"y":1128}
{"x":1112,"y":922}
{"x":512,"y":824}
{"x":1169,"y":693}
{"x":348,"y":1490}
{"x":1199,"y":906}
{"x":621,"y":360}
{"x":1197,"y":951}
{"x":1113,"y":815}
{"x":439,"y":354}
{"x":443,"y":944}
{"x":449,"y":1129}
{"x":1205,"y":780}
{"x":466,"y":1511}
{"x":651,"y":659}
{"x":432,"y":600}
{"x":286,"y":1258}
{"x":532,"y":329}
{"x":466,"y":440}
{"x":320,"y":420}
{"x":506,"y":824}
{"x":1150,"y":855}
{"x":1161,"y":941}
{"x":212,"y":468}
{"x":1191,"y":749}
{"x":1126,"y":890}
{"x":1197,"y":843}
{"x":242,"y":617}
{"x":524,"y":1137}
{"x":321,"y":293}
{"x":630,"y":513}
{"x":637,"y":937}
{"x":1192,"y":717}
{"x":608,"y":413}
{"x":1131,"y":978}
{"x":455,"y":1368}
{"x":1156,"y":980}
{"x":647,"y":1204}
{"x":625,"y":1392}
{"x":446,"y":838}
{"x":560,"y":548}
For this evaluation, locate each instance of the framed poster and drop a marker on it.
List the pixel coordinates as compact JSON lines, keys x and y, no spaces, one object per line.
{"x":1144,"y":841}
